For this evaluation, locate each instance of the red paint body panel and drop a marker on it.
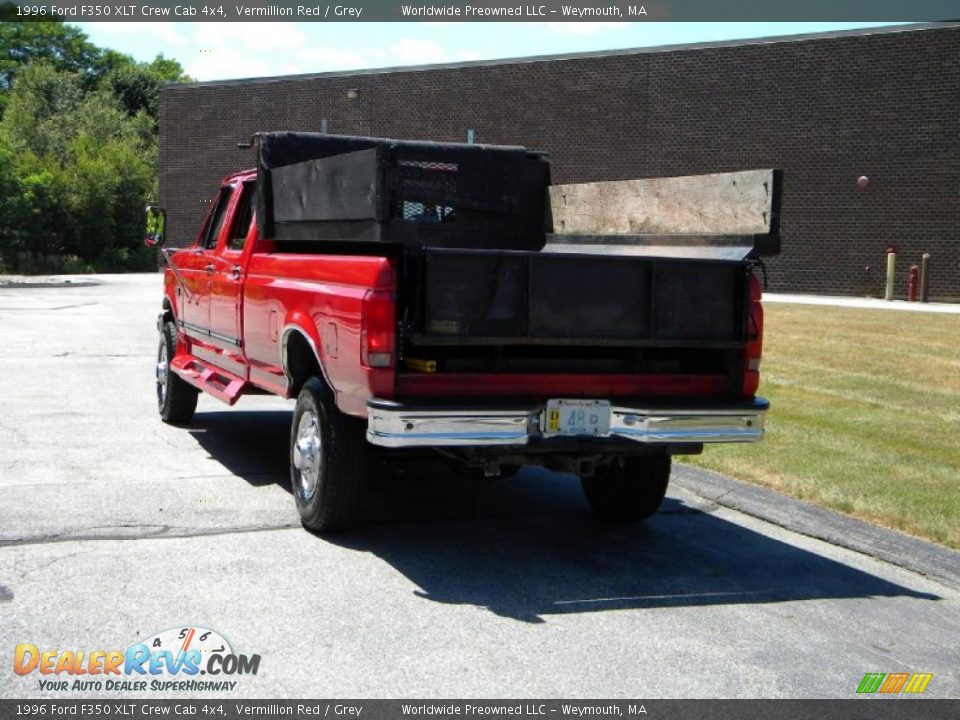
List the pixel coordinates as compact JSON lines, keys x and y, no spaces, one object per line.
{"x":239,"y":305}
{"x":320,"y":296}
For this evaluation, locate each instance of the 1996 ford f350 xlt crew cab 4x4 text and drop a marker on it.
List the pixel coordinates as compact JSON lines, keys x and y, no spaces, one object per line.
{"x":448,"y":298}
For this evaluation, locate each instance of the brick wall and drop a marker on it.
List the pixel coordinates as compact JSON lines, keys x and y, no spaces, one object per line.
{"x":824,"y":109}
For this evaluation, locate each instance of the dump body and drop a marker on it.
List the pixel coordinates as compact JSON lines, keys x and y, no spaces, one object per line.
{"x":486,"y":323}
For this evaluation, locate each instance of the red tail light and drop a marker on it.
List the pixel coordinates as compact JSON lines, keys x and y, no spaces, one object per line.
{"x":754,"y":349}
{"x":378,"y":329}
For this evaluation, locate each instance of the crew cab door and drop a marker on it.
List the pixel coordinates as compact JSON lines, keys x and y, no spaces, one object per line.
{"x":227,"y":278}
{"x":196,"y":270}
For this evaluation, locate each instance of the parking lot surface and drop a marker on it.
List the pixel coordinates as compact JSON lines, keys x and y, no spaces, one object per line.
{"x":114,"y":526}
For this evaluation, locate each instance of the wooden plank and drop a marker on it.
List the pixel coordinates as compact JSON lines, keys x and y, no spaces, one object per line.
{"x":724,"y":203}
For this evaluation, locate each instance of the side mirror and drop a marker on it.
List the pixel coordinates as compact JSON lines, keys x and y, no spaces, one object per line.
{"x":156,"y":224}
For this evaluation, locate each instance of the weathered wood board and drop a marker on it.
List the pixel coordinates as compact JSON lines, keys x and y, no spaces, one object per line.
{"x":736,"y":203}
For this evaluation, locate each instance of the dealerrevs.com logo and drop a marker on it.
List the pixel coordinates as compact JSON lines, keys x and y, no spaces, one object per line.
{"x":179,"y":659}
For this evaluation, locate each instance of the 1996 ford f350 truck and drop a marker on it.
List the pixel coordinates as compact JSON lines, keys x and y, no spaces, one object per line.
{"x":448,"y":298}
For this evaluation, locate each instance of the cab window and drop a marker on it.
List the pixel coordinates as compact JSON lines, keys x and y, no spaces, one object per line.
{"x":219,"y":215}
{"x":242,"y":217}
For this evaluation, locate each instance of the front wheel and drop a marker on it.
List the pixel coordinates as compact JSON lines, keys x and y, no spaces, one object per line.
{"x":628,"y":489}
{"x":328,"y":461}
{"x":176,"y":398}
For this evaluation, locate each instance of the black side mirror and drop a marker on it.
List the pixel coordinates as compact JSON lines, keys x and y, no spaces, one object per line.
{"x":156,"y":224}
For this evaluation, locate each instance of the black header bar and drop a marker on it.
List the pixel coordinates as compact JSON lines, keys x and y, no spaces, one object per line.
{"x":483,"y":10}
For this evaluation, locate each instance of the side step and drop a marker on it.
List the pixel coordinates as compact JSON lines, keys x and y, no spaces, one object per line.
{"x":224,"y":386}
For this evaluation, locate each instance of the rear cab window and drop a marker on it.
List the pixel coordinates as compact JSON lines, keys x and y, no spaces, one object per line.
{"x":215,"y":225}
{"x":242,"y":218}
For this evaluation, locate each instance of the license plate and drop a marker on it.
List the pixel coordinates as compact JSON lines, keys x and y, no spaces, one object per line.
{"x":577,"y":417}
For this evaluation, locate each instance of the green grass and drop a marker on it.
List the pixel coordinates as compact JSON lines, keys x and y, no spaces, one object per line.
{"x":865,"y":416}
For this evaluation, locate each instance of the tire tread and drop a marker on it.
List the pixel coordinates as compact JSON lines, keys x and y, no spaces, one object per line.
{"x":631,"y":492}
{"x":181,"y":401}
{"x":338,"y":498}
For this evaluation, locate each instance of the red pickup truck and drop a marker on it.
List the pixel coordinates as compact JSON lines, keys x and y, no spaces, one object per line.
{"x":446,"y":297}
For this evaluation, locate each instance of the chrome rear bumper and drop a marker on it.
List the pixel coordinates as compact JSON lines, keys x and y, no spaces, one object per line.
{"x":393,"y":424}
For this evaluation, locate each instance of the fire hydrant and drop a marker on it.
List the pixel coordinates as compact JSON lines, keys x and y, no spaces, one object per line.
{"x":912,"y":278}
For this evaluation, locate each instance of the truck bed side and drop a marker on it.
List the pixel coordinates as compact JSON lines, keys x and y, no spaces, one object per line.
{"x":317,"y":299}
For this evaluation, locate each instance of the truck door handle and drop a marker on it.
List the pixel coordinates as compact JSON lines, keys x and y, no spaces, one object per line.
{"x":235,"y":271}
{"x":209,"y":268}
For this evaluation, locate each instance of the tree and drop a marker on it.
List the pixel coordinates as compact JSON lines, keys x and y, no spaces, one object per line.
{"x":67,"y":48}
{"x":63,"y":46}
{"x":137,"y":85}
{"x":33,"y":218}
{"x":77,"y":150}
{"x":41,"y":111}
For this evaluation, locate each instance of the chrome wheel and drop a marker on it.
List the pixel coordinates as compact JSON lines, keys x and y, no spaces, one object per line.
{"x":162,"y":371}
{"x":307,"y":449}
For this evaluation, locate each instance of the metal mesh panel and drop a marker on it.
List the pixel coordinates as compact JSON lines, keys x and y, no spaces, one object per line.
{"x":425,"y":190}
{"x":430,"y":166}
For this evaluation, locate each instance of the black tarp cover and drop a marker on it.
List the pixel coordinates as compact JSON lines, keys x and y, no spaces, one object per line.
{"x":314,"y":186}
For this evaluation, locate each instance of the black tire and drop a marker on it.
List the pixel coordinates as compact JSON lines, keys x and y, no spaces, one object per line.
{"x":176,"y":398}
{"x":329,"y":481}
{"x":629,"y":491}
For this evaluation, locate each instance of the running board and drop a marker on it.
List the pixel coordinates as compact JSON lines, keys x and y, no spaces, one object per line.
{"x":224,"y":386}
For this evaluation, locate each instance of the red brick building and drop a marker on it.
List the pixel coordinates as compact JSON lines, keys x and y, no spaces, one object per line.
{"x":825,"y":108}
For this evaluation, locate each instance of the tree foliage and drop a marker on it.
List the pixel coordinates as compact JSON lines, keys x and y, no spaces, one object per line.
{"x":77,"y":150}
{"x":64,"y":46}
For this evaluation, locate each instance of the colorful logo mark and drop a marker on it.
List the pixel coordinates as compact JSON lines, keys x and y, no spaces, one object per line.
{"x":168,"y":660}
{"x":892,"y":683}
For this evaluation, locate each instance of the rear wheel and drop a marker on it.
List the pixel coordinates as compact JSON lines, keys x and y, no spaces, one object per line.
{"x":328,"y":461}
{"x":176,"y":398}
{"x":628,"y":489}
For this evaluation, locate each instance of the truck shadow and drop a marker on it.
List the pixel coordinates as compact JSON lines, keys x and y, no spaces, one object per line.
{"x":528,"y":547}
{"x":251,"y":444}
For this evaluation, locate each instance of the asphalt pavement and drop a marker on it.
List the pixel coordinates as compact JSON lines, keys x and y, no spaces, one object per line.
{"x":114,"y":526}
